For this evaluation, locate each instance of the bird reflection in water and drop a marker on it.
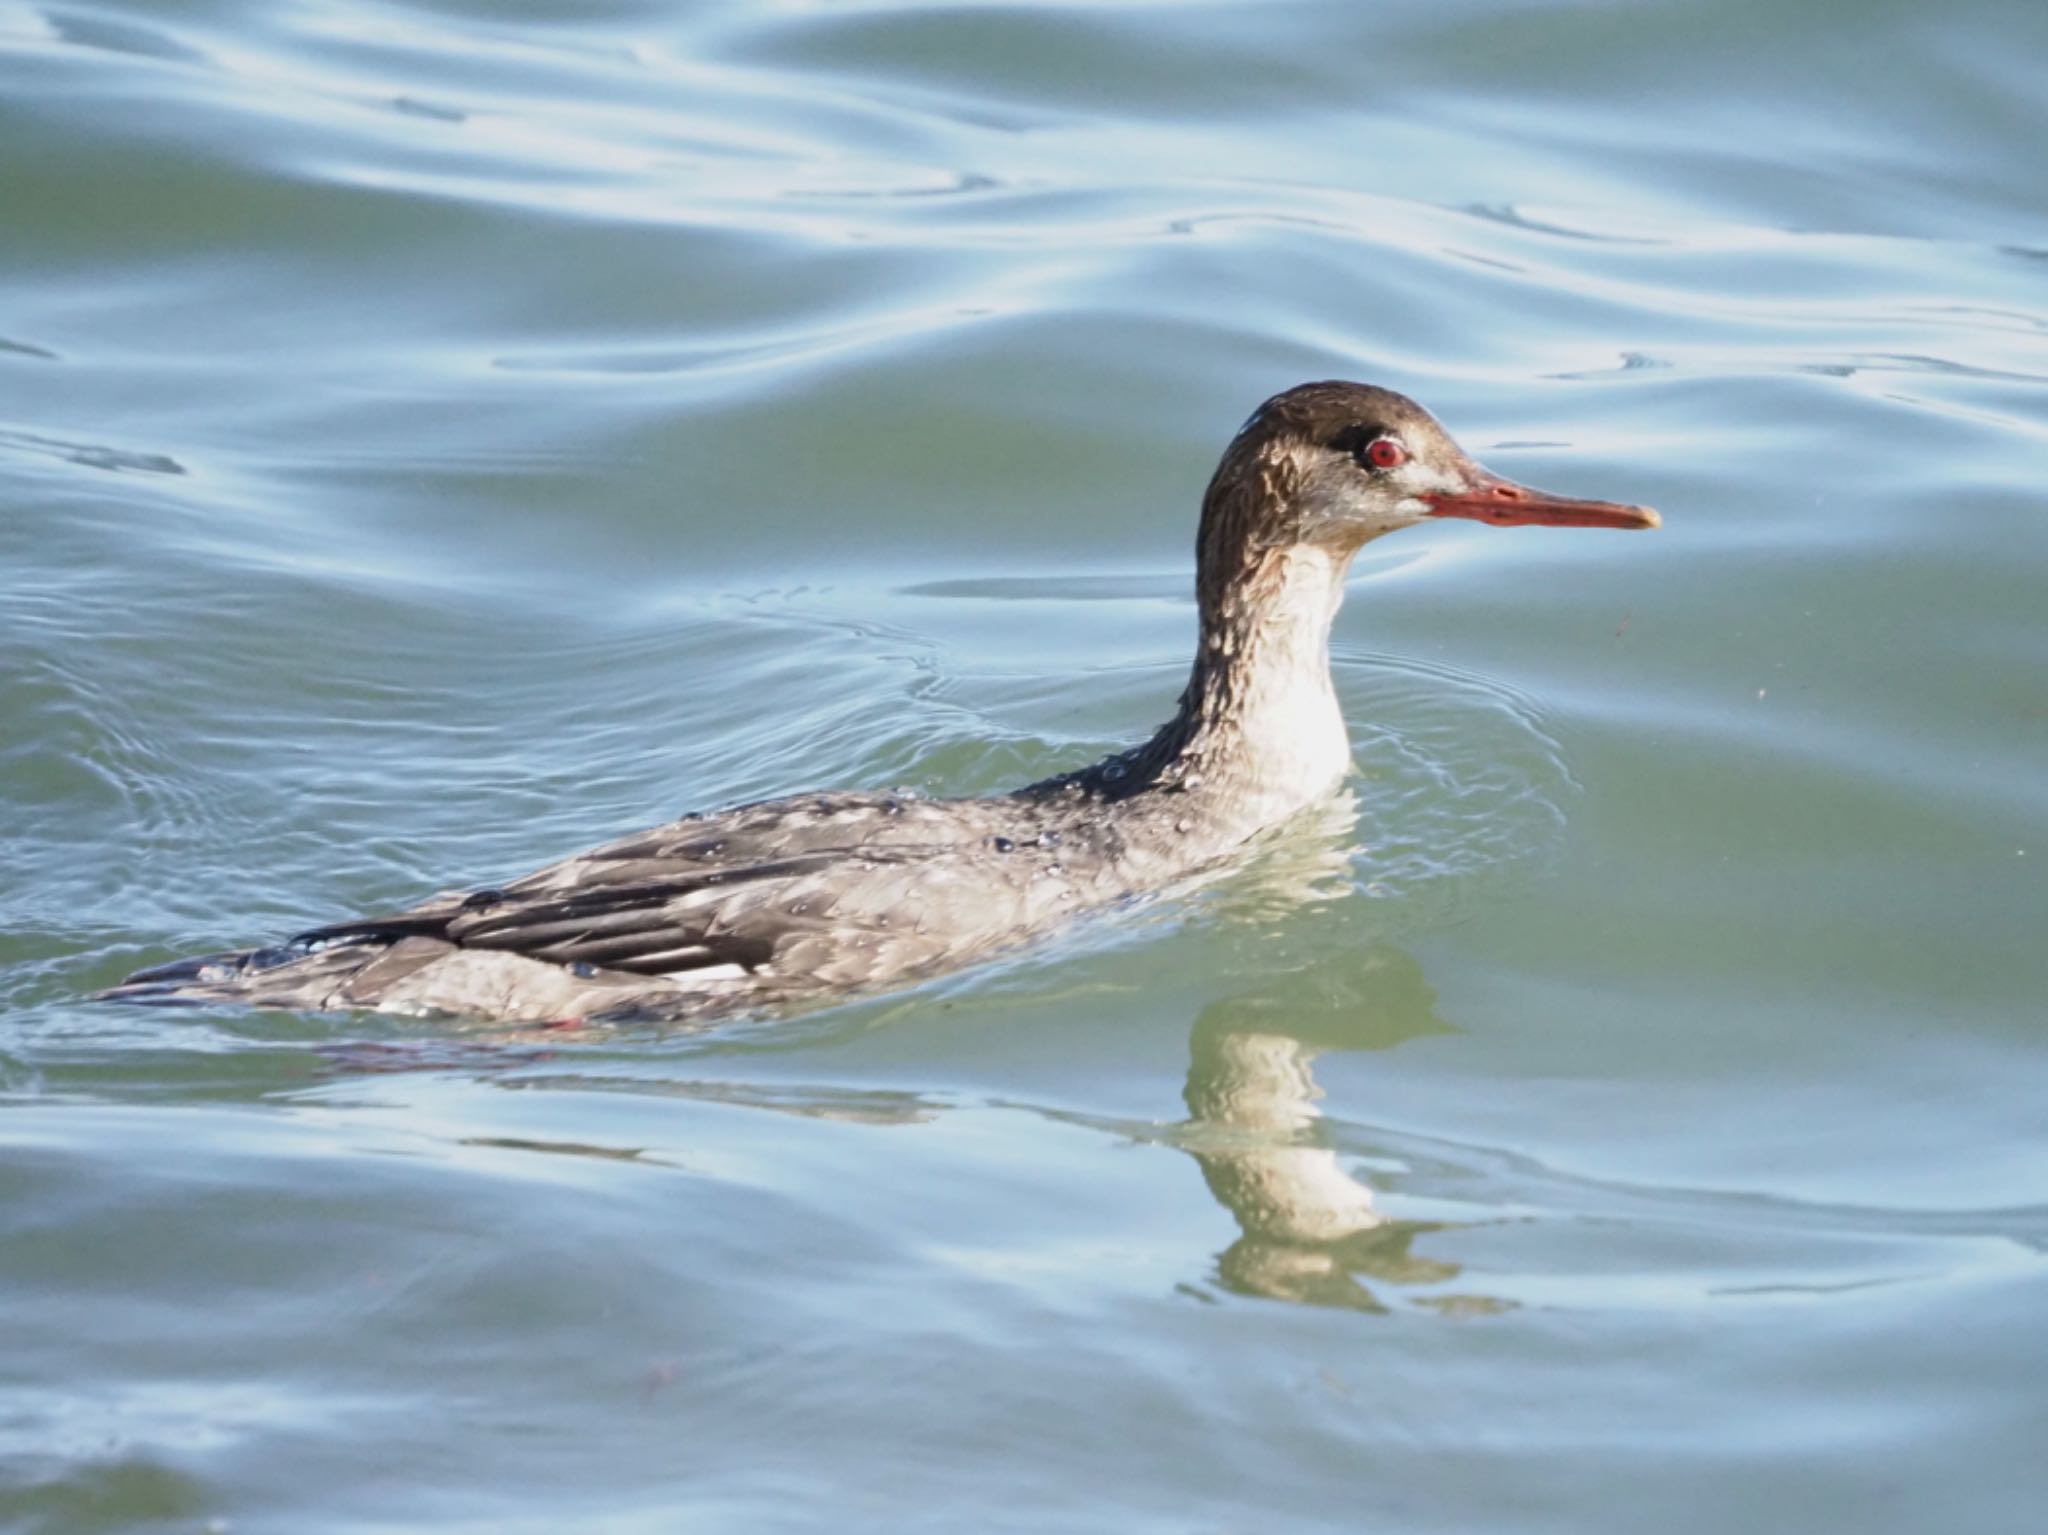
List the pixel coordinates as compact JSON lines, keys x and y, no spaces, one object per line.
{"x":1309,"y":1231}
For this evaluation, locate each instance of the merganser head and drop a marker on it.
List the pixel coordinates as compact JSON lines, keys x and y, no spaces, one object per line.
{"x":1336,"y":464}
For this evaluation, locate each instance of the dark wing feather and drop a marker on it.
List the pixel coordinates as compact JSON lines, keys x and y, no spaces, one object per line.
{"x":696,"y":894}
{"x":680,"y":921}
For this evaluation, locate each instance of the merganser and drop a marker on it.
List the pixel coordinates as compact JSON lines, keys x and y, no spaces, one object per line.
{"x":817,"y":895}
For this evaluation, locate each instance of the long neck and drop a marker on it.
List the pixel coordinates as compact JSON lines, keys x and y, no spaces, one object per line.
{"x":1259,"y":719}
{"x":1258,"y":734}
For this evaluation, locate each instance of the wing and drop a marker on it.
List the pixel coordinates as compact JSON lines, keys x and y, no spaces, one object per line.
{"x":825,"y":887}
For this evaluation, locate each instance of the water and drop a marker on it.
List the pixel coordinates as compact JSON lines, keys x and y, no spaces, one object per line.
{"x":436,"y":436}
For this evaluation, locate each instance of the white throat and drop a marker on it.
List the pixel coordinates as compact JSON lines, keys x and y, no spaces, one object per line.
{"x":1272,"y":724}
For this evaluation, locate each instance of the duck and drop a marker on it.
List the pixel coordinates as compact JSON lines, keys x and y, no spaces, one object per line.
{"x":810,"y":897}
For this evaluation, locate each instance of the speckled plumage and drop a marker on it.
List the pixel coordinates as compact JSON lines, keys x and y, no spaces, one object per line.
{"x":775,"y":903}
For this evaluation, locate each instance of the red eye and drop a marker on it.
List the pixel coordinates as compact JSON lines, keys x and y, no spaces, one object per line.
{"x":1386,"y":453}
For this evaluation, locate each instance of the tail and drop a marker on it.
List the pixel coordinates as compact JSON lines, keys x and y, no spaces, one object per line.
{"x":396,"y":967}
{"x":293,"y":975}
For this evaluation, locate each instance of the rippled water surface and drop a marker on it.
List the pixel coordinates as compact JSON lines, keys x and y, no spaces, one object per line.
{"x":436,"y":434}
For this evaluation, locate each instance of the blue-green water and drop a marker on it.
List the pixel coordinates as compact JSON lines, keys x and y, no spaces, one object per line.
{"x":436,"y":436}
